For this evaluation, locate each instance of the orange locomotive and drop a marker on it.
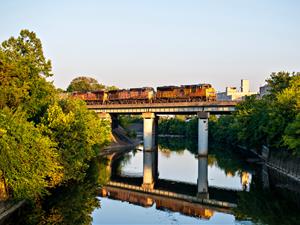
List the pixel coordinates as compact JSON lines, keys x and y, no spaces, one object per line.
{"x":186,"y":93}
{"x":183,"y":93}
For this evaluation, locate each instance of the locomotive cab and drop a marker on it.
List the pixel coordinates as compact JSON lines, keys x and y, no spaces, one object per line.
{"x":211,"y":94}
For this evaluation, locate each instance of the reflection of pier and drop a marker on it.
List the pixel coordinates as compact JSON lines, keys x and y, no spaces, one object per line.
{"x":150,"y":173}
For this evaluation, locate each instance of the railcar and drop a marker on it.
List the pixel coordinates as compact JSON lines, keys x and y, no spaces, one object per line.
{"x":169,"y":94}
{"x":185,"y":93}
{"x":118,"y":96}
{"x":131,"y":96}
{"x":199,"y":92}
{"x":94,"y":97}
{"x":142,"y":95}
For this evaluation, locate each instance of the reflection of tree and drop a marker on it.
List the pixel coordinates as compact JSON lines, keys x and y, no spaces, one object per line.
{"x":268,"y":207}
{"x":176,"y":144}
{"x":119,"y":163}
{"x":165,"y":152}
{"x":227,"y":160}
{"x":222,"y":157}
{"x":104,"y":170}
{"x":72,"y":204}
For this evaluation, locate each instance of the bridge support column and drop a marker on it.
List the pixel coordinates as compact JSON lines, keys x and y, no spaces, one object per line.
{"x":114,"y":121}
{"x":150,"y":131}
{"x":203,"y":133}
{"x":202,"y":182}
{"x":149,"y":169}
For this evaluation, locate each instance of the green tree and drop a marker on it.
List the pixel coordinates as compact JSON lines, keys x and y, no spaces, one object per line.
{"x":79,"y":134}
{"x":28,"y":160}
{"x":279,"y":81}
{"x":44,"y":141}
{"x":23,"y":73}
{"x":268,"y":121}
{"x":292,"y":135}
{"x":84,"y":84}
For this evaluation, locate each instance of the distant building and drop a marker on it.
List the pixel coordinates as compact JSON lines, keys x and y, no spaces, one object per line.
{"x":232,"y":93}
{"x":264,"y":90}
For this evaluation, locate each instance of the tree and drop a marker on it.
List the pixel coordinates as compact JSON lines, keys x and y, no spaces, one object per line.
{"x":279,"y":81}
{"x":270,"y":121}
{"x":292,"y":135}
{"x":44,"y":141}
{"x":23,"y":73}
{"x":28,"y":160}
{"x":84,"y":84}
{"x":79,"y":134}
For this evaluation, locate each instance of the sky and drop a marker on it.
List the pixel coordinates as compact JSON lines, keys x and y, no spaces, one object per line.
{"x":136,"y":43}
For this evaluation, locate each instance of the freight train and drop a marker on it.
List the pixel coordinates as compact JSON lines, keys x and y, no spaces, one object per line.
{"x":183,"y":93}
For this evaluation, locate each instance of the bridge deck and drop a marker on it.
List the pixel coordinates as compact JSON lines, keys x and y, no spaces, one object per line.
{"x":218,"y":107}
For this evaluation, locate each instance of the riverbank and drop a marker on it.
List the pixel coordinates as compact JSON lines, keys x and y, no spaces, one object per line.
{"x":120,"y":143}
{"x":281,"y":162}
{"x":8,"y":208}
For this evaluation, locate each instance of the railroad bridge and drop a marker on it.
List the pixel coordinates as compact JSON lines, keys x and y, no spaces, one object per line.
{"x":150,"y":113}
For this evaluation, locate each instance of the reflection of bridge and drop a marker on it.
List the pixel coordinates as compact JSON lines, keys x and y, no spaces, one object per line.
{"x":172,"y":203}
{"x":198,"y":200}
{"x":150,"y":111}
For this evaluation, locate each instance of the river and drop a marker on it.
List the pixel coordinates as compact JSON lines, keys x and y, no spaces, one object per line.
{"x":234,"y":189}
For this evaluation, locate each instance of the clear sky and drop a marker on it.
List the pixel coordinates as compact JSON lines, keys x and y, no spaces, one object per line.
{"x":133,"y":43}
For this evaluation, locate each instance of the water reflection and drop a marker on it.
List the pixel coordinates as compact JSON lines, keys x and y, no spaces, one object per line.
{"x":260,"y":195}
{"x":224,"y":168}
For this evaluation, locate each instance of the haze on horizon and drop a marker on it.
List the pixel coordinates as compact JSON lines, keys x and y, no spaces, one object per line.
{"x":135,"y":43}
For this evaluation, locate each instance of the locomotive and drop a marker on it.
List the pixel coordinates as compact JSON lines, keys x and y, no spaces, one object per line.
{"x":183,"y":93}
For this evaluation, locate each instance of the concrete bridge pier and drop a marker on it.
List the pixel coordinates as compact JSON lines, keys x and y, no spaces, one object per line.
{"x":150,"y":171}
{"x":114,"y":121}
{"x":203,"y":133}
{"x":202,"y":182}
{"x":150,"y":131}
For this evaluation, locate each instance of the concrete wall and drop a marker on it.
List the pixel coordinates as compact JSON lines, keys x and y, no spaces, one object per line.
{"x":288,"y":165}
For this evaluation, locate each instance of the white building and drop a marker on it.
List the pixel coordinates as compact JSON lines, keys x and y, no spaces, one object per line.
{"x":264,"y":90}
{"x":232,"y":93}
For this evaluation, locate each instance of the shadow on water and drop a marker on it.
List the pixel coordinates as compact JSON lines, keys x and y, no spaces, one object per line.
{"x":269,"y":199}
{"x":69,"y":204}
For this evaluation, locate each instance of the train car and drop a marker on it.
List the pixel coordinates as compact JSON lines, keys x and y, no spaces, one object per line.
{"x":199,"y":92}
{"x":118,"y":96}
{"x":186,"y":93}
{"x":142,"y":95}
{"x":93,"y":97}
{"x":210,"y":93}
{"x":168,"y":94}
{"x":131,"y":96}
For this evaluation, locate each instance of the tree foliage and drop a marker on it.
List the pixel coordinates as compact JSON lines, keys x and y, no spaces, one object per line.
{"x":271,"y":120}
{"x":84,"y":84}
{"x":76,"y":130}
{"x":44,"y":141}
{"x":23,"y":73}
{"x":28,"y":159}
